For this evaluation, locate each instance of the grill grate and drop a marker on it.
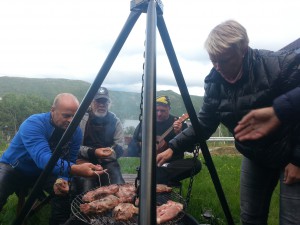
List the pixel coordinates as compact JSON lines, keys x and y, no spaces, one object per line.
{"x":107,"y":219}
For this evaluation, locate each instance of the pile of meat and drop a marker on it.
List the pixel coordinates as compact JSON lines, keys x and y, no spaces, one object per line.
{"x":119,"y":200}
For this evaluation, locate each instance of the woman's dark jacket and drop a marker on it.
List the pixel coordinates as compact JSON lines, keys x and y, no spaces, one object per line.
{"x":287,"y":106}
{"x":266,"y":75}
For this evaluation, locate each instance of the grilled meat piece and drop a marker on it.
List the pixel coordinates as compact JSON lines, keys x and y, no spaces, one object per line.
{"x":124,"y":211}
{"x":100,"y":192}
{"x":160,"y":188}
{"x":100,"y":206}
{"x":168,"y":211}
{"x":126,"y":193}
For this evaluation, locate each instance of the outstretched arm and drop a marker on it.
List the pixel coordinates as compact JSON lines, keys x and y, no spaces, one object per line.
{"x":86,"y":170}
{"x":61,"y":186}
{"x":256,"y":124}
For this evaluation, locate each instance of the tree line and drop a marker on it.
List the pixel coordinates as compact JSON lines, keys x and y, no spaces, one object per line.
{"x":14,"y":109}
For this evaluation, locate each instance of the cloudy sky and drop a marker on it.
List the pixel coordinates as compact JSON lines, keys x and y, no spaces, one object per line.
{"x":72,"y":38}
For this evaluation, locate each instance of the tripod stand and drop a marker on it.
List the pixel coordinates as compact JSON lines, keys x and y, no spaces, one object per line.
{"x":147,"y":210}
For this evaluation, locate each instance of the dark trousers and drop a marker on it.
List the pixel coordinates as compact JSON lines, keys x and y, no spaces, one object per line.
{"x":13,"y":181}
{"x":177,"y":170}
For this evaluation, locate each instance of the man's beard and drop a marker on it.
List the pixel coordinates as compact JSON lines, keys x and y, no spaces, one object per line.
{"x":100,"y":114}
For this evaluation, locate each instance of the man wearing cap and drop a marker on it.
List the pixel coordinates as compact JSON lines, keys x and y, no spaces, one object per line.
{"x":177,"y":168}
{"x":103,"y":141}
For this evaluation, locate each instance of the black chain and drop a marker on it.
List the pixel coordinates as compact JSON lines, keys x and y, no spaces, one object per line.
{"x":142,"y":92}
{"x":196,"y":154}
{"x":137,"y":179}
{"x":65,"y":155}
{"x":69,"y":169}
{"x":62,"y":166}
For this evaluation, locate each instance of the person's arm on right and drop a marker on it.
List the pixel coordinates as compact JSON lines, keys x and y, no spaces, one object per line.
{"x":287,"y":107}
{"x":257,"y":124}
{"x":260,"y":122}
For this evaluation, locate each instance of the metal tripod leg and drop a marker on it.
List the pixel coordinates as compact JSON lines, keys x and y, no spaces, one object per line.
{"x":150,"y":72}
{"x":134,"y":15}
{"x":190,"y":109}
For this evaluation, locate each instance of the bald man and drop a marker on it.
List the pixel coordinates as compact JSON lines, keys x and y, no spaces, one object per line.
{"x":31,"y":149}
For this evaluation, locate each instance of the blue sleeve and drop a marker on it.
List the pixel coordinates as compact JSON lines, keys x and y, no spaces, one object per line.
{"x":287,"y":106}
{"x":34,"y":137}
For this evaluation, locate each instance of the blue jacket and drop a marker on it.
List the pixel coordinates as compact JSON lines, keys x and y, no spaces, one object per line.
{"x":29,"y":150}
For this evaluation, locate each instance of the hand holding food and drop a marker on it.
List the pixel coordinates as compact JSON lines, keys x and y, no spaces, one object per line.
{"x":104,"y":152}
{"x":61,"y":187}
{"x":87,"y":170}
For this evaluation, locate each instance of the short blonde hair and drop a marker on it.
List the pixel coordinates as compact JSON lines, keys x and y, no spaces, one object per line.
{"x":229,"y":34}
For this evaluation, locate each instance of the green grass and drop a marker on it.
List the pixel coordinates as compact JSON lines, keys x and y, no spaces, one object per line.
{"x":203,"y":196}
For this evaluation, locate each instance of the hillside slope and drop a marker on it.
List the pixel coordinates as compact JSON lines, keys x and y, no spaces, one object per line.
{"x":125,"y":104}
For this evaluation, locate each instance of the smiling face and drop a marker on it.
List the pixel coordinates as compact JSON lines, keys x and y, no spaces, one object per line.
{"x":228,"y":63}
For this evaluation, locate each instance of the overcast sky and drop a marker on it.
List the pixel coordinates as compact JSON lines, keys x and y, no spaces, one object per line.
{"x":72,"y":38}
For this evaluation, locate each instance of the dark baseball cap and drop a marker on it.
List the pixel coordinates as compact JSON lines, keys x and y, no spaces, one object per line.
{"x":102,"y":93}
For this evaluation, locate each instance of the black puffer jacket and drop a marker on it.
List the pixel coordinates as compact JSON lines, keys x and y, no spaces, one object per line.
{"x":266,"y":75}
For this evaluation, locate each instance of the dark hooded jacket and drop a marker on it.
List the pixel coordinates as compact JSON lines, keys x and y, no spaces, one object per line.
{"x":287,"y":107}
{"x":266,"y":75}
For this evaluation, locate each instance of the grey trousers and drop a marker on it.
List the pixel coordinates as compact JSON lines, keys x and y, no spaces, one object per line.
{"x":256,"y":189}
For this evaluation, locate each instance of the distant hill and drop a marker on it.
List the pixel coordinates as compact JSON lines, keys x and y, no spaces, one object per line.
{"x":125,"y":104}
{"x":46,"y":88}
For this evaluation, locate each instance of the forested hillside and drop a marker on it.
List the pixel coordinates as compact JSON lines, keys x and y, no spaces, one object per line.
{"x":46,"y":88}
{"x":24,"y":96}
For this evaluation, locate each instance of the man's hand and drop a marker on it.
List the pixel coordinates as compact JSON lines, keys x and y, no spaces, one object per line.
{"x":291,"y":174}
{"x":103,"y":152}
{"x":61,"y":187}
{"x":257,"y":124}
{"x":87,"y":170}
{"x":177,"y":126}
{"x":161,"y":158}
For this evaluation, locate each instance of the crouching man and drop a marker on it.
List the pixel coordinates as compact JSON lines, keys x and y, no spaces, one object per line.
{"x":31,"y":149}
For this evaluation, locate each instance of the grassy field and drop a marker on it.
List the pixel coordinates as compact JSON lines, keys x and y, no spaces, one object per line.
{"x":203,"y":197}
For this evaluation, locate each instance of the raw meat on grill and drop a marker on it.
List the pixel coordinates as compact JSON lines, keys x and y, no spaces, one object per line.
{"x":160,"y":188}
{"x":126,"y":193}
{"x":100,"y":206}
{"x":168,"y":211}
{"x":100,"y":192}
{"x":124,"y":211}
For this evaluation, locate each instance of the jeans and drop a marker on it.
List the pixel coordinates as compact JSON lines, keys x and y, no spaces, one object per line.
{"x":257,"y":186}
{"x":12,"y":181}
